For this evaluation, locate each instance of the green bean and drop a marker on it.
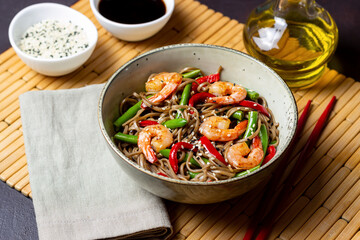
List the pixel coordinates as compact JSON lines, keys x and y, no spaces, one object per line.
{"x":252,"y":124}
{"x":185,"y":96}
{"x":252,"y":94}
{"x":247,"y":171}
{"x":239,"y":115}
{"x":191,"y":74}
{"x":166,"y":153}
{"x":131,"y":112}
{"x":192,"y":174}
{"x":175,"y":123}
{"x":264,"y":139}
{"x":126,"y":138}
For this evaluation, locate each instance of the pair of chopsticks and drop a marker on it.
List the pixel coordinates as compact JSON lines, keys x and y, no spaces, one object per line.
{"x":262,"y":226}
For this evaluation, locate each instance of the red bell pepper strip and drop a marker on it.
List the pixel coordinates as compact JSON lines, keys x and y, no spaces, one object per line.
{"x":145,"y":123}
{"x":212,"y":150}
{"x":271,"y":153}
{"x":210,"y":79}
{"x":199,"y":97}
{"x":173,"y":153}
{"x":256,"y":106}
{"x":162,"y":174}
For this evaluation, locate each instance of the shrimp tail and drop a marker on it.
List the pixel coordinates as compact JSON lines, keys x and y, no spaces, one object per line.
{"x":241,"y":127}
{"x":150,"y":154}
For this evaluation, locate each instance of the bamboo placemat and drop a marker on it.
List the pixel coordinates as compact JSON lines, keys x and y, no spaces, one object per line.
{"x":325,"y":202}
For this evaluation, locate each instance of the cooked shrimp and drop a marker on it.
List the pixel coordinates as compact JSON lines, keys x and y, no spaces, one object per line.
{"x":236,"y":155}
{"x":236,"y":93}
{"x":164,"y":83}
{"x":217,"y":129}
{"x":154,"y":137}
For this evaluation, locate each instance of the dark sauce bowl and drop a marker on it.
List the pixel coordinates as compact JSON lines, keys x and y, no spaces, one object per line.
{"x":133,"y":32}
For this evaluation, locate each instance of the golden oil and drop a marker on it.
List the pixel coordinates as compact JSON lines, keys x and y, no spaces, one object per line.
{"x":295,"y":38}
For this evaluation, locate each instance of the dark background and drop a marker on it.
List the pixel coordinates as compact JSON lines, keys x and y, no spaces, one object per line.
{"x":17,"y":219}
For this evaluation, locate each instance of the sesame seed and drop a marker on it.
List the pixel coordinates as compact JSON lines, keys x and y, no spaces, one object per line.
{"x":53,"y":39}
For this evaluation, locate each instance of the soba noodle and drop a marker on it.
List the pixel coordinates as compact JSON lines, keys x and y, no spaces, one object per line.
{"x":213,"y":170}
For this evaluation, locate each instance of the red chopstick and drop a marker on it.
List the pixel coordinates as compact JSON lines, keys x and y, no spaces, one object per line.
{"x":269,"y":189}
{"x":294,"y":173}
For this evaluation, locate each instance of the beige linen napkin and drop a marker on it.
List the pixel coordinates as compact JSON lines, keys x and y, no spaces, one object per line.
{"x":79,"y":191}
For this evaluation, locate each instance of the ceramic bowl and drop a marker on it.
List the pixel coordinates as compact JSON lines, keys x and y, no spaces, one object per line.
{"x":42,"y":11}
{"x":238,"y":68}
{"x":133,"y":32}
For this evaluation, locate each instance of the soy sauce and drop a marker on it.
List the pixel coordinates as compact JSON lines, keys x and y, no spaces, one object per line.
{"x":132,"y":11}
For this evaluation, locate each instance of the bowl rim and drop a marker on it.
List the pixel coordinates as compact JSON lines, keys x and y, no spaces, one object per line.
{"x":92,"y":41}
{"x":138,"y":25}
{"x":176,"y":181}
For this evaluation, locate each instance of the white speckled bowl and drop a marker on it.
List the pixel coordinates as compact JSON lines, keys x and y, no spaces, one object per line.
{"x":238,"y":68}
{"x":42,"y":11}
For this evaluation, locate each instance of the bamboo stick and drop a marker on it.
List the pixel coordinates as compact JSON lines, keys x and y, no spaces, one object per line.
{"x":335,"y":230}
{"x":11,"y":148}
{"x":315,"y":203}
{"x":224,"y":34}
{"x":22,"y":183}
{"x":26,"y":190}
{"x":9,"y":109}
{"x":9,"y":129}
{"x":9,"y":62}
{"x":353,"y":160}
{"x":331,"y":169}
{"x":237,"y":37}
{"x":24,"y":88}
{"x":213,"y":29}
{"x":17,"y":176}
{"x":16,"y":166}
{"x":3,"y":125}
{"x":190,"y":226}
{"x":6,"y":55}
{"x":205,"y":25}
{"x":186,"y":215}
{"x":13,"y":116}
{"x":209,"y":222}
{"x":29,"y":75}
{"x":4,"y":75}
{"x":333,"y":145}
{"x":19,"y":66}
{"x":310,"y":224}
{"x":351,"y":106}
{"x":351,"y":228}
{"x":288,"y":216}
{"x":355,"y":204}
{"x":232,"y":228}
{"x":10,"y":139}
{"x":348,"y":182}
{"x":12,"y":158}
{"x":336,"y":212}
{"x":356,"y":236}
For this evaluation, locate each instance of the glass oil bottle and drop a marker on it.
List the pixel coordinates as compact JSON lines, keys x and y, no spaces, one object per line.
{"x":296,"y":38}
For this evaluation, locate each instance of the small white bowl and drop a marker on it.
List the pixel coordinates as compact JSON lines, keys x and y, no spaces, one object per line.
{"x":38,"y":12}
{"x":133,"y":32}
